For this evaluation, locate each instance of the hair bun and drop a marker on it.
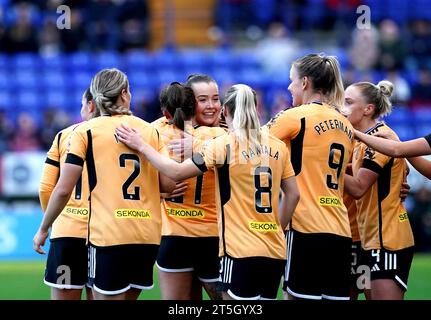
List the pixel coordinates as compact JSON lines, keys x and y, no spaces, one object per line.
{"x":386,"y":88}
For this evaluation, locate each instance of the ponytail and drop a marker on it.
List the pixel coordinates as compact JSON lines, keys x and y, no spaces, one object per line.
{"x":179,"y":101}
{"x":324,"y":73}
{"x":106,"y":86}
{"x":241,"y":102}
{"x":378,"y":95}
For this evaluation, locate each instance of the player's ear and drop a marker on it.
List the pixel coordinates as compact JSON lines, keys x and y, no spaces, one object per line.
{"x":166,"y":114}
{"x":91,"y":106}
{"x":304,"y":83}
{"x":124,"y":94}
{"x":369,"y":109}
{"x":224,"y":111}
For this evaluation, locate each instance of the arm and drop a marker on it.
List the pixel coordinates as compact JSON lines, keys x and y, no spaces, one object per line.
{"x":59,"y":198}
{"x":396,"y":149}
{"x":170,"y":168}
{"x":180,"y":190}
{"x":50,"y":173}
{"x":289,"y":201}
{"x":422,"y":165}
{"x":47,"y":183}
{"x":183,"y":147}
{"x":357,"y":186}
{"x":166,"y":184}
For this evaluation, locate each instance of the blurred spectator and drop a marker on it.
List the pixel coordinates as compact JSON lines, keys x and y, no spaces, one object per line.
{"x":102,"y":26}
{"x":402,"y":93}
{"x":277,"y":51}
{"x":341,"y":13}
{"x":49,"y":38}
{"x":52,"y":123}
{"x":147,"y":108}
{"x":364,"y":51}
{"x":420,"y":44}
{"x":25,"y":137}
{"x":281,"y":101}
{"x":422,"y":89}
{"x":234,"y":15}
{"x":74,"y":39}
{"x":21,"y":36}
{"x":391,"y":46}
{"x":262,"y":111}
{"x":134,"y":19}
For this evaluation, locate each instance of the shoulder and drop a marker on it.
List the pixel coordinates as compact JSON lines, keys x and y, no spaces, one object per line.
{"x":209,"y":131}
{"x":66,"y":132}
{"x":160,"y":122}
{"x":382,"y":127}
{"x":274,"y":141}
{"x":289,"y":113}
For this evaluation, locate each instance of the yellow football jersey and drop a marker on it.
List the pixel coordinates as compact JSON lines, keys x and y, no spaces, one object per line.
{"x":352,"y":211}
{"x":248,"y":185}
{"x":124,"y":187}
{"x":72,"y":222}
{"x":382,"y":218}
{"x":320,"y":141}
{"x":194,"y":214}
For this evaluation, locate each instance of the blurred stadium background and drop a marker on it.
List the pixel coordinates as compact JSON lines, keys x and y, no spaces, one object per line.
{"x":44,"y":71}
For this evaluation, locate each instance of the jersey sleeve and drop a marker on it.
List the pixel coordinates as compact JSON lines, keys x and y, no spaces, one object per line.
{"x":374,"y":161}
{"x":77,"y":147}
{"x":288,"y":168}
{"x":50,"y":173}
{"x":285,"y":125}
{"x":205,"y":135}
{"x":212,"y":154}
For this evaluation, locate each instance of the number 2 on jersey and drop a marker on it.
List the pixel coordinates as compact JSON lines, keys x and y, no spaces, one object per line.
{"x":135,"y":173}
{"x":335,"y":165}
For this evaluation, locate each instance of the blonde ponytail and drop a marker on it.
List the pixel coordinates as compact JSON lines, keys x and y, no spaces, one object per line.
{"x":324,"y":73}
{"x":106,"y":87}
{"x":378,"y":95}
{"x":241,"y":102}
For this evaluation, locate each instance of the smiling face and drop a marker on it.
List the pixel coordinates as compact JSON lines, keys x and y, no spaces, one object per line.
{"x":296,"y":87}
{"x":355,"y":105}
{"x":208,"y":104}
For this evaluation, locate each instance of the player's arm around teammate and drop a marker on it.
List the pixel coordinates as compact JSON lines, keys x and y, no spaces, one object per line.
{"x":114,"y":194}
{"x":269,"y":251}
{"x":188,"y":221}
{"x":391,"y":146}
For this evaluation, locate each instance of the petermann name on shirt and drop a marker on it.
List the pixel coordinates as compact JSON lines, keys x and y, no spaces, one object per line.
{"x":333,"y":124}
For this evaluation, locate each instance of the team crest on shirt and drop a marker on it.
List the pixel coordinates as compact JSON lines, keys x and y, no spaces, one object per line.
{"x":369,"y":154}
{"x":271,"y":122}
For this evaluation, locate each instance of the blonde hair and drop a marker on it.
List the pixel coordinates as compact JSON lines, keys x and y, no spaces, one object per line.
{"x":324,"y":73}
{"x":378,"y":95}
{"x":241,"y":102}
{"x":106,"y":87}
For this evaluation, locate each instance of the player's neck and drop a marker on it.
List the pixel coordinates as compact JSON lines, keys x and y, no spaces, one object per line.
{"x":313,"y":97}
{"x":366,"y":124}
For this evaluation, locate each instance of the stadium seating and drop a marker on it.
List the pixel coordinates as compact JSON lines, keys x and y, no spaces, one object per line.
{"x":32,"y":82}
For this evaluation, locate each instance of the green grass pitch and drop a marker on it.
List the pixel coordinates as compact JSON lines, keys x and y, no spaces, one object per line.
{"x":23,"y":281}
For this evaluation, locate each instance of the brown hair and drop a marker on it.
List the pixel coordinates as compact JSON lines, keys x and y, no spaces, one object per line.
{"x":324,"y":73}
{"x":179,"y":101}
